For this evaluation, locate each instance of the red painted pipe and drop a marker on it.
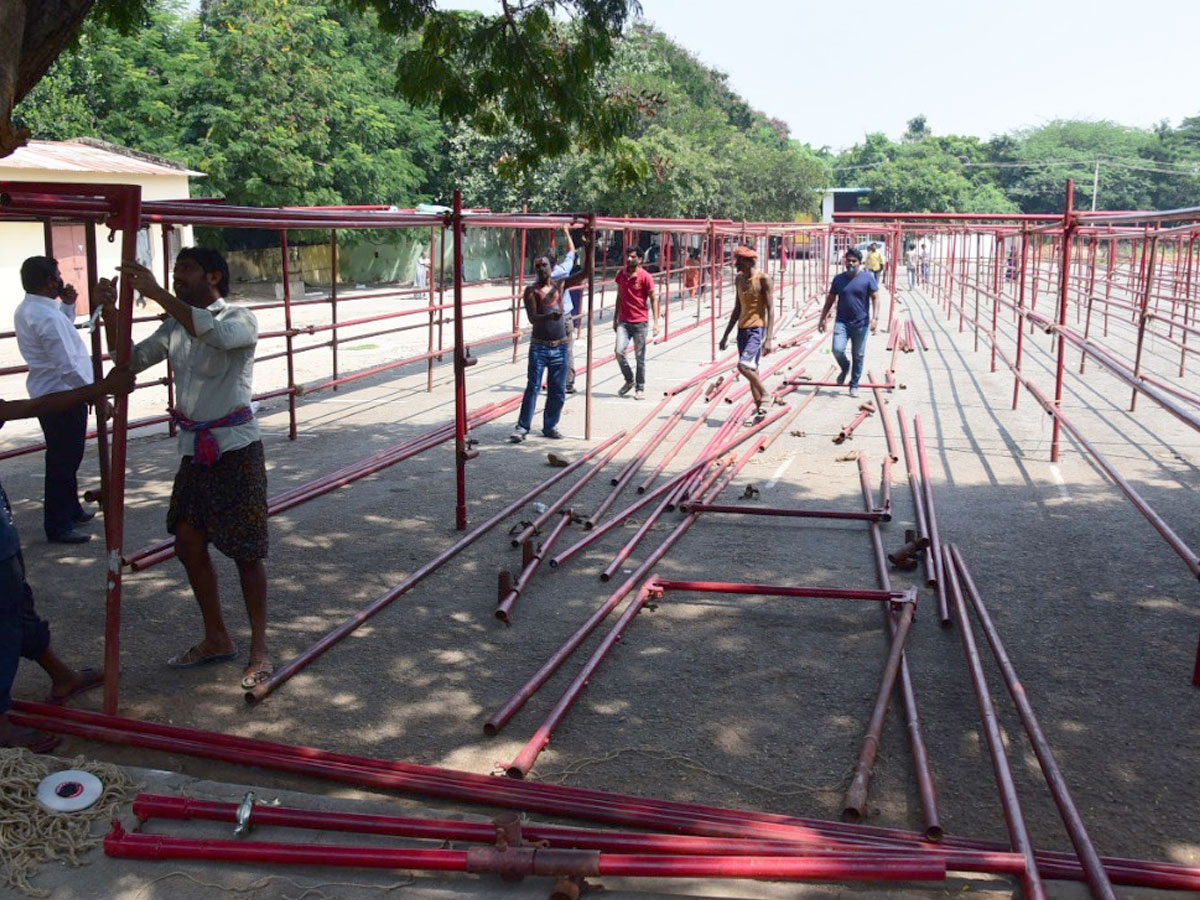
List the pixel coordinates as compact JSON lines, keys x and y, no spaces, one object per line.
{"x":922,"y":772}
{"x":848,"y":430}
{"x":874,"y":516}
{"x":558,"y":800}
{"x":524,"y":760}
{"x":504,"y":608}
{"x":888,"y":437}
{"x":918,"y":497}
{"x":935,"y":544}
{"x":1017,"y":830}
{"x":532,"y":528}
{"x":302,"y":660}
{"x":701,"y":463}
{"x":527,"y":860}
{"x":1084,"y":848}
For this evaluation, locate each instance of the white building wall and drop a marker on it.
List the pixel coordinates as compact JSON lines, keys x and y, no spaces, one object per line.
{"x":20,"y":240}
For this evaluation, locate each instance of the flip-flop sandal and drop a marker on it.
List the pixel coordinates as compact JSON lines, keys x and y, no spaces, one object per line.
{"x":191,"y":658}
{"x":39,"y":742}
{"x":92,"y":678}
{"x":258,"y":676}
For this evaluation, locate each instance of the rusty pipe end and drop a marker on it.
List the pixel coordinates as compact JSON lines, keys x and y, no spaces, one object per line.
{"x":934,"y":832}
{"x":514,"y":771}
{"x":605,"y":576}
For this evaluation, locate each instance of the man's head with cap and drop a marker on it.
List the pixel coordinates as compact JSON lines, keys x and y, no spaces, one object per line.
{"x":744,"y":258}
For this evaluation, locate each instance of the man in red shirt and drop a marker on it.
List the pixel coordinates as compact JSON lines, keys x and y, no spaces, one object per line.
{"x":635,"y":304}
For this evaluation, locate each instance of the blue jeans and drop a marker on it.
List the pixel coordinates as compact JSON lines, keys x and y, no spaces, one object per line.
{"x":636,"y":332}
{"x":857,"y":337}
{"x":552,"y":360}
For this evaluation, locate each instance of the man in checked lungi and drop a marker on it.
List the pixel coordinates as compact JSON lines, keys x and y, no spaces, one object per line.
{"x":220,"y":492}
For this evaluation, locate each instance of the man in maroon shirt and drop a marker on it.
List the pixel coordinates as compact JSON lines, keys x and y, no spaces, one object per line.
{"x":635,"y":304}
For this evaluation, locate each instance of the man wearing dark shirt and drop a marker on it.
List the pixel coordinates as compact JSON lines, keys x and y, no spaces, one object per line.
{"x":548,"y":346}
{"x":857,"y":296}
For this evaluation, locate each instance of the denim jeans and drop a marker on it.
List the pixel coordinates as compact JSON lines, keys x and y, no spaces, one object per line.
{"x":636,"y":332}
{"x":552,"y":360}
{"x":857,"y":337}
{"x":912,"y":277}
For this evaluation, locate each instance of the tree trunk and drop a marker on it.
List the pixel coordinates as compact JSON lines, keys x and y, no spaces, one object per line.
{"x":32,"y":35}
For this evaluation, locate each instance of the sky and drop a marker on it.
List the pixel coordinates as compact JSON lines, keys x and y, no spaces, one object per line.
{"x":834,"y":71}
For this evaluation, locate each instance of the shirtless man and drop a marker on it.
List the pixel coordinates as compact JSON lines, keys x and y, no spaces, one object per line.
{"x":753,"y":317}
{"x":549,"y":346}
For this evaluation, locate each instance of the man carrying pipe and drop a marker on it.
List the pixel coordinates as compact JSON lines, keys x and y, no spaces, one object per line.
{"x":22,"y":631}
{"x":220,"y":490}
{"x":857,"y":296}
{"x":549,"y":345}
{"x":753,"y":316}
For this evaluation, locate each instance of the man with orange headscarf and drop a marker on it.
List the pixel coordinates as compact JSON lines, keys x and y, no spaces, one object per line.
{"x":752,"y":315}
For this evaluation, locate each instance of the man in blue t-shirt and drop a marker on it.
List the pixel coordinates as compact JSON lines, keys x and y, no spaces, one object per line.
{"x":857,"y":295}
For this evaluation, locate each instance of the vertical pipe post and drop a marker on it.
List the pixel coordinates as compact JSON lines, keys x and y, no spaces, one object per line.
{"x":288,"y":338}
{"x":333,"y":298}
{"x":1064,"y":268}
{"x":460,"y":374}
{"x":1143,"y":310}
{"x":129,"y":211}
{"x":589,"y":247}
{"x":97,"y":359}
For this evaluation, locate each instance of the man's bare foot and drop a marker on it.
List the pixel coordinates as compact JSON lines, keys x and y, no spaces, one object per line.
{"x":17,"y":736}
{"x":64,"y":689}
{"x":257,"y":672}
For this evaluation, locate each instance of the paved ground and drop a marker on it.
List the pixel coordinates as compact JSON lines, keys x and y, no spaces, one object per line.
{"x":738,"y":701}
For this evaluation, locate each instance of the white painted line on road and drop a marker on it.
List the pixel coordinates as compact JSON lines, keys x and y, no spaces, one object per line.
{"x":1060,"y":482}
{"x":783,"y":466}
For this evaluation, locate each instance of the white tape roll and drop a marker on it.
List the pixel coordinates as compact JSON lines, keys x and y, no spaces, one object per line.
{"x":69,"y":791}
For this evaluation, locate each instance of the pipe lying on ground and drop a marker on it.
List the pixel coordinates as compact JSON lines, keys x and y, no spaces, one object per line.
{"x":847,"y":431}
{"x":1018,"y":832}
{"x":935,"y":544}
{"x":590,"y":805}
{"x":525,"y":759}
{"x":885,"y":421}
{"x":1084,"y":848}
{"x":528,"y":860}
{"x":912,"y":719}
{"x":504,"y":607}
{"x":303,"y":659}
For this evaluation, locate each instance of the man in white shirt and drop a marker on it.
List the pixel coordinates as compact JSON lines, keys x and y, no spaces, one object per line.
{"x":58,"y":361}
{"x":220,"y":491}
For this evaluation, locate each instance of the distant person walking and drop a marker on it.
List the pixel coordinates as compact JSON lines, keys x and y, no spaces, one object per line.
{"x":691,"y":273}
{"x":923,"y":261}
{"x":875,"y":263}
{"x":857,"y":296}
{"x":910,"y":265}
{"x":752,"y":315}
{"x":637,"y":307}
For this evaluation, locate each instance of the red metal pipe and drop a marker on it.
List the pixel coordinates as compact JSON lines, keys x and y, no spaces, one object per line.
{"x":714,"y":401}
{"x":918,"y":497}
{"x":504,"y":607}
{"x":559,"y":800}
{"x":922,"y":772}
{"x":874,"y":516}
{"x":528,"y":860}
{"x":302,"y":660}
{"x":1084,"y":848}
{"x":1018,"y":833}
{"x":854,"y":805}
{"x":935,"y":545}
{"x":888,"y":437}
{"x":848,"y":430}
{"x":525,"y":759}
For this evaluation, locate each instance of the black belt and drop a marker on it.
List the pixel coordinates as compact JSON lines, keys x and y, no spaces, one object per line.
{"x":557,"y":343}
